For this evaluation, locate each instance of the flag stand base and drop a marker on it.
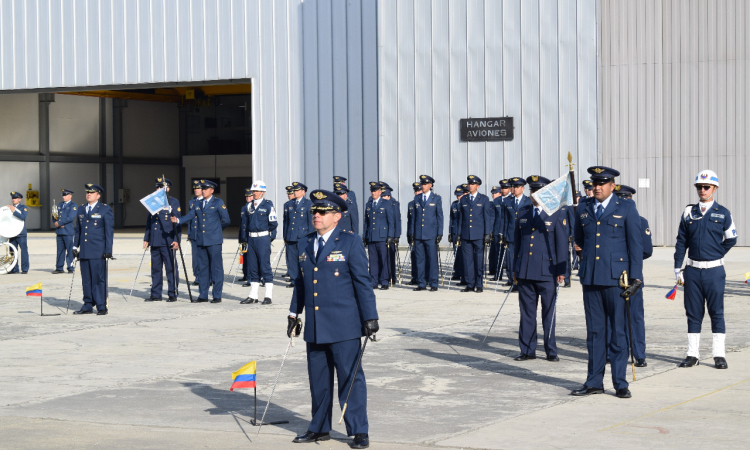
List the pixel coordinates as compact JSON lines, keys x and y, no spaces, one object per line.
{"x":255,"y":421}
{"x":41,"y":307}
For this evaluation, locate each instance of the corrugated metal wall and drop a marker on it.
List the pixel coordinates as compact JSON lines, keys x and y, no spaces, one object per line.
{"x":443,"y":60}
{"x":674,"y":100}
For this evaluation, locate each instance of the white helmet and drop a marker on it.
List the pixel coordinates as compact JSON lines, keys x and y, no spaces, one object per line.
{"x":707,"y":177}
{"x":258,"y":186}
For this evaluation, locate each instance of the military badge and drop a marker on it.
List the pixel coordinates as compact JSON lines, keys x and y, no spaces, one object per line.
{"x":320,"y":196}
{"x":223,"y":206}
{"x":563,"y":221}
{"x":648,"y":232}
{"x":598,"y":170}
{"x":534,"y":178}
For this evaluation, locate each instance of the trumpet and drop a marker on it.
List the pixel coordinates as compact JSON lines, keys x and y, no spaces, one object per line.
{"x":55,"y":214}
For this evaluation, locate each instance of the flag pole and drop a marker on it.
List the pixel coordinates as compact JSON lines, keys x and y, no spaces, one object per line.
{"x":572,"y":177}
{"x":41,"y":306}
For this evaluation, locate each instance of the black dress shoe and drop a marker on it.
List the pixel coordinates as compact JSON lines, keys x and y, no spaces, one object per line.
{"x":509,"y":283}
{"x":478,"y":289}
{"x":309,"y":436}
{"x":243,"y":279}
{"x":172,"y":299}
{"x":467,"y":289}
{"x":151,"y":298}
{"x":413,"y":283}
{"x":195,"y":283}
{"x":419,"y":288}
{"x":566,"y":285}
{"x":249,"y":301}
{"x":266,"y":301}
{"x":720,"y":363}
{"x":24,"y":272}
{"x":523,"y":357}
{"x":202,"y":300}
{"x":608,"y":361}
{"x":689,"y":361}
{"x":71,"y":271}
{"x":553,"y":358}
{"x":361,"y":440}
{"x":58,"y":271}
{"x":623,"y":393}
{"x":286,"y":275}
{"x":640,"y":363}
{"x":83,"y":312}
{"x":513,"y":288}
{"x":383,"y":288}
{"x":585,"y":390}
{"x":290,"y":285}
{"x":102,"y":312}
{"x":211,"y":285}
{"x":494,"y":278}
{"x":462,"y":283}
{"x":433,"y":288}
{"x":456,"y":277}
{"x":246,"y":284}
{"x":216,"y":300}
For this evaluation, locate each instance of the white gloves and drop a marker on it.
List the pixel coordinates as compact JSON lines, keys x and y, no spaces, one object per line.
{"x":678,"y":276}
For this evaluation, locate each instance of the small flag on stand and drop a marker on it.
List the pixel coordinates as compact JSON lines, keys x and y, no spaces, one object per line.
{"x":673,"y":293}
{"x":747,"y":277}
{"x":244,"y":378}
{"x":34,"y":291}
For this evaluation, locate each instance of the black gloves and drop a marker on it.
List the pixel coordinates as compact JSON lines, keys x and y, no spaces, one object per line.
{"x":292,"y":323}
{"x":364,"y":241}
{"x":439,"y":238}
{"x":410,"y":239}
{"x":75,"y":253}
{"x":371,"y":327}
{"x":395,"y":241}
{"x":458,"y":240}
{"x":388,"y":241}
{"x":450,"y":238}
{"x":487,"y":238}
{"x":635,"y":285}
{"x":108,"y":256}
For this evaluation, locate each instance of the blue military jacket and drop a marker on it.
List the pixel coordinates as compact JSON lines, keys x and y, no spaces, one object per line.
{"x":350,"y":218}
{"x":541,"y":244}
{"x":334,"y":289}
{"x":66,"y":216}
{"x":284,"y":219}
{"x":94,"y":231}
{"x":299,"y":220}
{"x":428,"y":218}
{"x":453,"y":225}
{"x":706,"y":237}
{"x":475,"y":218}
{"x":192,"y":226}
{"x":511,"y":214}
{"x":21,"y":212}
{"x":379,"y":222}
{"x":211,"y":221}
{"x":410,"y":218}
{"x":262,"y":218}
{"x":648,"y":246}
{"x":498,"y":223}
{"x":160,"y":231}
{"x":610,"y":245}
{"x":396,"y":210}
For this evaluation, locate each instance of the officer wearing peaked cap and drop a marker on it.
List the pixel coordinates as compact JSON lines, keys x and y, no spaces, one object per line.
{"x":212,"y":219}
{"x":541,"y":246}
{"x":588,"y":189}
{"x":417,"y":188}
{"x":427,"y":229}
{"x":706,"y":233}
{"x":192,"y":228}
{"x":379,"y":229}
{"x":300,"y":225}
{"x":163,"y":237}
{"x":284,"y":220}
{"x":260,"y":225}
{"x":608,"y":234}
{"x":393,"y":247}
{"x":475,"y":228}
{"x":513,"y":205}
{"x":350,"y":218}
{"x":337,"y":179}
{"x":454,"y":236}
{"x":64,"y":231}
{"x":92,"y":244}
{"x":20,"y":212}
{"x":498,"y":210}
{"x":334,"y":291}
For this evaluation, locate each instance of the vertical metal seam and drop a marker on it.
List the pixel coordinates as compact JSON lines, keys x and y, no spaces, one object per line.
{"x":451,"y":132}
{"x":231,"y":40}
{"x":414,"y":92}
{"x":289,"y":90}
{"x":317,"y":81}
{"x":362,"y":92}
{"x":398,"y":109}
{"x":346,"y":72}
{"x":260,"y":93}
{"x":520,"y":79}
{"x":205,"y":56}
{"x":432,"y":90}
{"x":275,"y":92}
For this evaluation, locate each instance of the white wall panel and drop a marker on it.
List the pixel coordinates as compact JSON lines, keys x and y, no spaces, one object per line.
{"x":19,"y":123}
{"x":73,"y":125}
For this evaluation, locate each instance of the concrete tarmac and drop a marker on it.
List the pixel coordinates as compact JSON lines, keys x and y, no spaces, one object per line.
{"x":157,"y":375}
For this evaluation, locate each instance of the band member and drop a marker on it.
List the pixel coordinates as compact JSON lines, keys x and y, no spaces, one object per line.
{"x":19,"y":241}
{"x":163,"y":237}
{"x":64,"y":231}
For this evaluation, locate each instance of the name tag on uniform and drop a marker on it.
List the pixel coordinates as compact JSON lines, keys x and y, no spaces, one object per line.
{"x":584,"y":215}
{"x":720,"y":216}
{"x":617,"y":217}
{"x":549,"y":224}
{"x":432,"y":204}
{"x":262,"y":209}
{"x":523,"y":220}
{"x":96,"y":216}
{"x":303,"y":257}
{"x":335,"y":257}
{"x":479,"y":204}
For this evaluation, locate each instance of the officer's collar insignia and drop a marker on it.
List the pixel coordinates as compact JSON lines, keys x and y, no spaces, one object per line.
{"x":648,"y":232}
{"x":598,"y":170}
{"x":319,"y":195}
{"x":534,"y":178}
{"x":618,"y":187}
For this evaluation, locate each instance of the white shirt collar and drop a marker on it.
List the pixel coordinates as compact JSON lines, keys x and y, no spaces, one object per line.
{"x":208,"y":199}
{"x":704,"y":207}
{"x":604,"y":204}
{"x":426,"y":196}
{"x":91,"y":206}
{"x":325,"y":239}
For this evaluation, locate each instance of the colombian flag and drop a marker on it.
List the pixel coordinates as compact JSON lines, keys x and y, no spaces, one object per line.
{"x":747,"y":277}
{"x":35,"y":290}
{"x":673,"y":293}
{"x":244,"y":378}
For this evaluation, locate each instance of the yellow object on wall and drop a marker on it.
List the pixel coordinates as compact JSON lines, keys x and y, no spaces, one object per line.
{"x":32,"y":197}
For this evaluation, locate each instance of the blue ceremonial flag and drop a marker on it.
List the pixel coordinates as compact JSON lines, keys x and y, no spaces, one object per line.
{"x":156,"y":201}
{"x":555,"y":195}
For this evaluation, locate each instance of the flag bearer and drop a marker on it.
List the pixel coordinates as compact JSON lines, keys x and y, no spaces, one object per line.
{"x":65,"y":229}
{"x":475,"y":228}
{"x":334,"y":291}
{"x":20,"y":211}
{"x":427,"y":230}
{"x":163,"y":237}
{"x":706,"y":233}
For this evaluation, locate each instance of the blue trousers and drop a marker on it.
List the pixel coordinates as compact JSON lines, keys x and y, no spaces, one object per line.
{"x":639,"y":327}
{"x":494,"y":257}
{"x":704,"y":289}
{"x":378,"y":254}
{"x":569,"y":270}
{"x":427,"y":262}
{"x":259,"y":259}
{"x":163,"y":256}
{"x":529,"y":294}
{"x":210,"y":268}
{"x":413,"y":259}
{"x":64,"y":252}
{"x":458,"y":262}
{"x":20,"y":243}
{"x":93,"y":279}
{"x":603,"y":305}
{"x":321,"y":361}
{"x":194,"y":257}
{"x":393,"y":273}
{"x":292,"y":261}
{"x":509,"y":252}
{"x":473,"y":253}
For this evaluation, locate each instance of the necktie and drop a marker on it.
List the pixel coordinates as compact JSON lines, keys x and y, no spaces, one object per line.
{"x":472,"y":199}
{"x":424,"y":198}
{"x":536,"y":212}
{"x":517,"y":201}
{"x":204,"y":204}
{"x":321,"y":243}
{"x":599,"y":211}
{"x":88,"y":209}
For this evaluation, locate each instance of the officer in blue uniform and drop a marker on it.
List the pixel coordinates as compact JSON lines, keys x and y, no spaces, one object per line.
{"x":260,"y":225}
{"x":417,"y":188}
{"x":334,"y":291}
{"x":393,"y":246}
{"x":212,"y":219}
{"x":379,"y":228}
{"x":608,"y":234}
{"x":351,"y":195}
{"x":285,"y":222}
{"x":513,"y":204}
{"x":92,"y":245}
{"x":427,"y":230}
{"x":20,"y":211}
{"x":497,"y":210}
{"x":707,"y":232}
{"x":349,"y":218}
{"x":64,"y":231}
{"x":636,"y":301}
{"x":475,"y":219}
{"x":571,"y":221}
{"x":192,"y":228}
{"x":541,"y":246}
{"x":299,"y":225}
{"x":454,"y":236}
{"x":500,"y":225}
{"x":164,"y":238}
{"x":242,"y":234}
{"x":588,"y":189}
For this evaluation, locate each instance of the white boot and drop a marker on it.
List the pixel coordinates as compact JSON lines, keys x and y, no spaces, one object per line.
{"x":694,"y":340}
{"x":719,"y":345}
{"x":254,"y":290}
{"x":269,"y":293}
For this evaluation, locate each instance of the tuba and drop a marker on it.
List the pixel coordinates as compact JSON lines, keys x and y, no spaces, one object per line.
{"x":10,"y":226}
{"x":55,"y":214}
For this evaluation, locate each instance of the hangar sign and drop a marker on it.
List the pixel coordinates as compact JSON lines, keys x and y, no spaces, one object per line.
{"x":487,"y":129}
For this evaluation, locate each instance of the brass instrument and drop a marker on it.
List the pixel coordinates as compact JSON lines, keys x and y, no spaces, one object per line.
{"x":10,"y":226}
{"x":55,"y":214}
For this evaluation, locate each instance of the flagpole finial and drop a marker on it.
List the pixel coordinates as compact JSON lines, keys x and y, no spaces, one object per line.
{"x":570,"y":161}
